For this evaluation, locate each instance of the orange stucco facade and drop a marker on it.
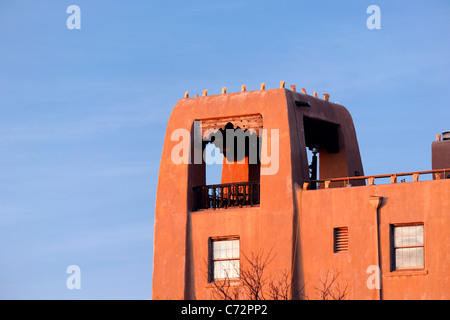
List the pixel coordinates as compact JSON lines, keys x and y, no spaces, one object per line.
{"x":290,"y":219}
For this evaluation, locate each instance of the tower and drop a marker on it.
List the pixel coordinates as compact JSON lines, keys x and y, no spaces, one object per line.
{"x":255,"y":208}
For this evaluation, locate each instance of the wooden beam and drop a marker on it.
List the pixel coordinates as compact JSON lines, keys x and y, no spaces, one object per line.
{"x":254,"y":122}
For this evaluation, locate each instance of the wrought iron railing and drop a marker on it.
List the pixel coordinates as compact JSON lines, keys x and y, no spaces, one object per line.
{"x":361,"y":180}
{"x":227,"y":195}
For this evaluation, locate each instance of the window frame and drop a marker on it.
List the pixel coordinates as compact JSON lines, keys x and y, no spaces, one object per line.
{"x":393,"y":259}
{"x":212,"y":259}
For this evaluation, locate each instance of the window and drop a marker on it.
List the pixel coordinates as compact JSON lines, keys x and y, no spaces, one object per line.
{"x":225,"y":258}
{"x":408,"y":246}
{"x":340,"y":239}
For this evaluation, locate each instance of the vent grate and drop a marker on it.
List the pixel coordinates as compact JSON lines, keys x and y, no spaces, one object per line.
{"x":340,"y":239}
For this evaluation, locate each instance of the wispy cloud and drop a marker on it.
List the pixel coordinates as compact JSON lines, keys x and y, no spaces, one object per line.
{"x":101,"y":237}
{"x":89,"y":127}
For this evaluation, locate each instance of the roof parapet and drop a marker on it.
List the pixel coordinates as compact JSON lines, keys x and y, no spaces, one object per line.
{"x":293,"y":87}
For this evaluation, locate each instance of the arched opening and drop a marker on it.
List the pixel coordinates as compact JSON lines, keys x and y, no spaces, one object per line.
{"x":231,"y":162}
{"x":238,"y":152}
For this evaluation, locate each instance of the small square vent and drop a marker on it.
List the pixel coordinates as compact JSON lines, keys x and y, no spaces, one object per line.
{"x":340,"y":239}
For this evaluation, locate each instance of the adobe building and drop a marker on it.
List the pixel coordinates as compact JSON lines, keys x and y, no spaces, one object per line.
{"x":305,"y":199}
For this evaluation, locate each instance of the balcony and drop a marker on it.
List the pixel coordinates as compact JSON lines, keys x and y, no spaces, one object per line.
{"x":437,"y":174}
{"x":227,"y":195}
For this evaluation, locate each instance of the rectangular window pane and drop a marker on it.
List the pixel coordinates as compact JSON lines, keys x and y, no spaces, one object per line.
{"x":419,"y":235}
{"x":408,"y":236}
{"x":226,"y":269}
{"x":235,"y":253}
{"x":398,"y":258}
{"x":216,"y":249}
{"x":225,"y":255}
{"x":409,"y":257}
{"x":420,"y":255}
{"x":229,"y":249}
{"x":398,"y":237}
{"x":408,"y":246}
{"x":218,"y":270}
{"x":226,"y":249}
{"x":234,"y":269}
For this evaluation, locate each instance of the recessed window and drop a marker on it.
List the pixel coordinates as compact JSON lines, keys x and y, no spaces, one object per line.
{"x":340,"y":239}
{"x":408,"y":246}
{"x":225,"y":258}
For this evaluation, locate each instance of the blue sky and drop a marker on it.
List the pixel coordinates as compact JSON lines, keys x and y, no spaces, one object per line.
{"x":83,"y":113}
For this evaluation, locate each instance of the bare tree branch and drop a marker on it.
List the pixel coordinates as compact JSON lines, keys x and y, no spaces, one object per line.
{"x":255,"y":284}
{"x":331,"y":289}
